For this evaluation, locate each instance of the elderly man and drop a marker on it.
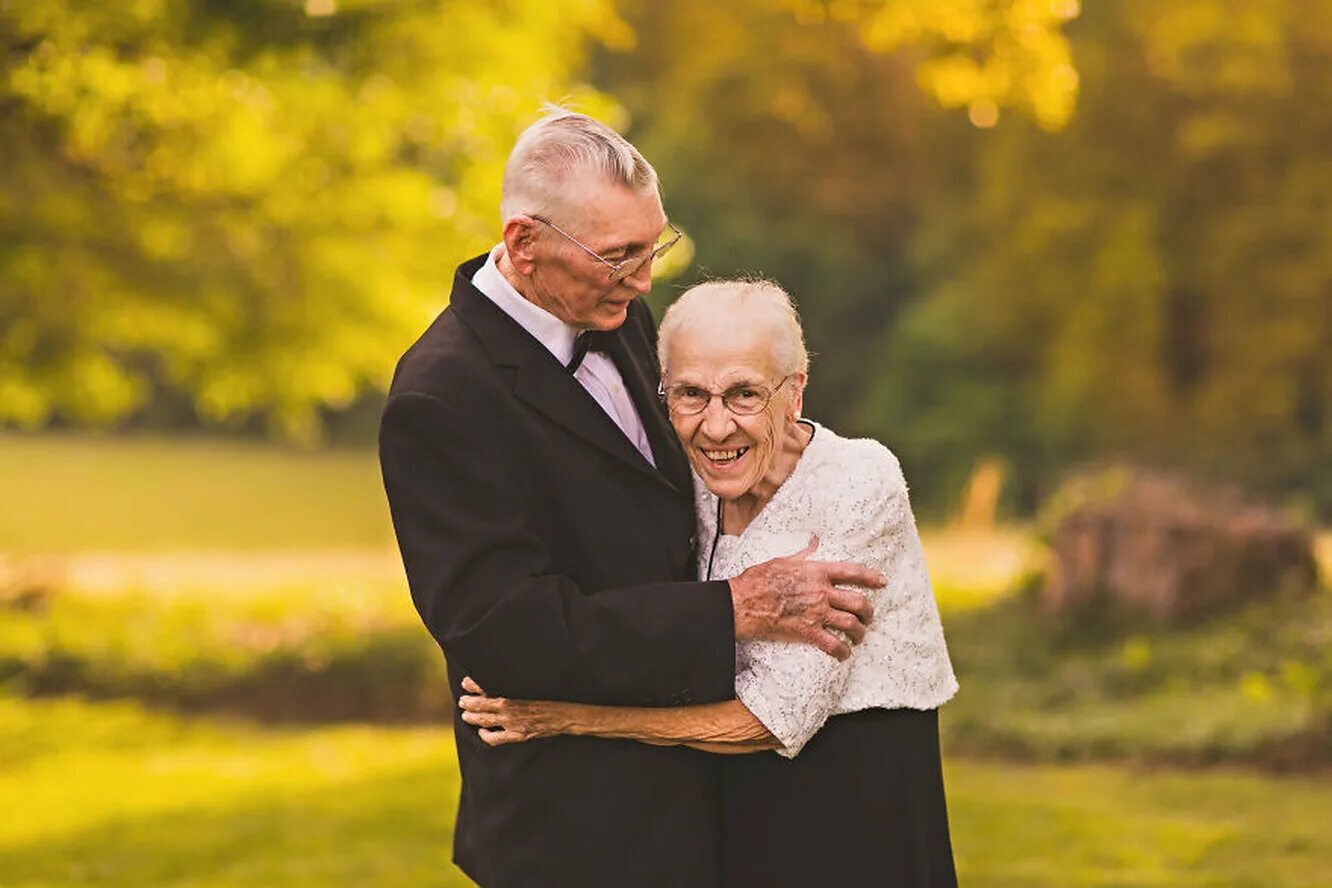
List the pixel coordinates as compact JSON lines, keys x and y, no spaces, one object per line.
{"x":544,"y":510}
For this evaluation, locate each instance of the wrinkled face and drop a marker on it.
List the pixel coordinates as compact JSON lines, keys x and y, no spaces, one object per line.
{"x":615,"y":223}
{"x":731,"y":453}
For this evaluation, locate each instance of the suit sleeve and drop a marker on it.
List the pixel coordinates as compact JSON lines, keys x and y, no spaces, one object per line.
{"x":480,"y":579}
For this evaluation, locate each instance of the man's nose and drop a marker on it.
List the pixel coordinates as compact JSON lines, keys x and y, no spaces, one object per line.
{"x":641,"y":280}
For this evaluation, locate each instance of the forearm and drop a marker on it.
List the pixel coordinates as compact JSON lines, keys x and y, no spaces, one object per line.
{"x":726,"y":727}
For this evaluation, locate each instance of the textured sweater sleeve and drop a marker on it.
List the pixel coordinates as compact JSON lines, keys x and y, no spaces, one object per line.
{"x":862,"y":515}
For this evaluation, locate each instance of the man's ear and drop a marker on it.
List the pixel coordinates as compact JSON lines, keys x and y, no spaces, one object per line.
{"x":520,"y":233}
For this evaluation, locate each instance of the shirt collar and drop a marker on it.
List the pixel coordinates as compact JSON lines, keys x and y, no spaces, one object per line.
{"x":556,"y":335}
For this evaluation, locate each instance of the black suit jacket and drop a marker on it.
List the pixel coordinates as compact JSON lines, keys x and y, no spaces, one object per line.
{"x":550,"y":560}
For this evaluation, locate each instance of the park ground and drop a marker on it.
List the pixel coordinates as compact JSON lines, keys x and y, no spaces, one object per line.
{"x":165,"y":582}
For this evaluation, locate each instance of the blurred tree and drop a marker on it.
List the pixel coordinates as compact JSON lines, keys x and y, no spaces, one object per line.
{"x":791,"y":144}
{"x":1155,"y":281}
{"x":251,"y":206}
{"x":977,"y":54}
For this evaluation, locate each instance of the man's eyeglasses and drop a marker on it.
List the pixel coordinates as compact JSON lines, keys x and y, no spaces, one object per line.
{"x":742,"y":400}
{"x":629,"y":265}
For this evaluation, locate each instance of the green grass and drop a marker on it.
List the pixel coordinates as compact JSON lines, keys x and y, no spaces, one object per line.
{"x":114,"y":795}
{"x":297,"y":651}
{"x":1250,"y":686}
{"x":1018,"y":826}
{"x":303,"y":633}
{"x":78,"y":493}
{"x":195,"y":609}
{"x":1254,"y":686}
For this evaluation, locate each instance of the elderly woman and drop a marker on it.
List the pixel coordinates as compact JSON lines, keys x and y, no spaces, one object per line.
{"x":854,"y":794}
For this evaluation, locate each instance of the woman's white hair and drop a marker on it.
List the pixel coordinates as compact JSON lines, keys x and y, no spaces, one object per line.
{"x":558,"y":151}
{"x":744,"y":303}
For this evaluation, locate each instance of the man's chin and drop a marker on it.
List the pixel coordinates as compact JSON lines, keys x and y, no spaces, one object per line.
{"x":612,"y":315}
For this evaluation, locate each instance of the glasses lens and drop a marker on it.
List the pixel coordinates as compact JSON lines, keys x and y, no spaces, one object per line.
{"x":634,"y":264}
{"x":745,"y":400}
{"x":629,"y":267}
{"x":687,"y":399}
{"x":665,"y":240}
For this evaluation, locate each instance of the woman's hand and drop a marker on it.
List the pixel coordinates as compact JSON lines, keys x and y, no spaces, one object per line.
{"x":501,"y":721}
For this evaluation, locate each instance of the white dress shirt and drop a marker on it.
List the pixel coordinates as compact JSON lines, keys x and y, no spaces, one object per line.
{"x":598,"y":373}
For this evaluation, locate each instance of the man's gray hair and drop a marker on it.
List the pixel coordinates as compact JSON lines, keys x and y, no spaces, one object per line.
{"x":558,"y":150}
{"x":732,"y":303}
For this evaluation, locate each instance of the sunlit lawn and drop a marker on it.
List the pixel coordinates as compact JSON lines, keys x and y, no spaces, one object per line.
{"x":80,"y":493}
{"x":1025,"y":826}
{"x":110,"y":795}
{"x":188,"y":565}
{"x":140,"y":494}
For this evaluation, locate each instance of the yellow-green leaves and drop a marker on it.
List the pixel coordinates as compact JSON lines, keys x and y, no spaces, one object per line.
{"x":982,"y":55}
{"x":254,"y":206}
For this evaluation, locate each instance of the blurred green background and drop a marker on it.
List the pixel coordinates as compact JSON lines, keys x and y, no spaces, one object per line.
{"x":1024,"y":236}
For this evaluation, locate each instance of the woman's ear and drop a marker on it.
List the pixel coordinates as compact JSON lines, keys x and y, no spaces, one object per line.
{"x":520,"y":235}
{"x":797,"y":398}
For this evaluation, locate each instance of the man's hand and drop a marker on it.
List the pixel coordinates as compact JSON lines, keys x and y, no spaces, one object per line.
{"x":795,"y":599}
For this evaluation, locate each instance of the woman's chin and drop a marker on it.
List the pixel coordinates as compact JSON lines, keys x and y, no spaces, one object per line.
{"x":726,"y":481}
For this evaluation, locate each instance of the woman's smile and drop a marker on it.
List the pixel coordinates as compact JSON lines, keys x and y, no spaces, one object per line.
{"x":723,"y":458}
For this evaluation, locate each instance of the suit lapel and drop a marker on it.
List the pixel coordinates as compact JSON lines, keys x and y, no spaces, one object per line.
{"x":540,"y":381}
{"x":643,"y":390}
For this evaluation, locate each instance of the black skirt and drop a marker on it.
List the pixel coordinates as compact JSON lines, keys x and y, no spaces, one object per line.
{"x":861,"y":805}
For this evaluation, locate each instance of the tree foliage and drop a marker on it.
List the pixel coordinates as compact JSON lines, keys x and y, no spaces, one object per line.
{"x":248,"y":207}
{"x":1151,"y":280}
{"x":251,"y":206}
{"x":1155,"y":281}
{"x":977,"y":54}
{"x":789,"y":142}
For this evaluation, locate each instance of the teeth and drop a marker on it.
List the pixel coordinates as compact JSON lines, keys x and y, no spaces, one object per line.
{"x":725,"y":455}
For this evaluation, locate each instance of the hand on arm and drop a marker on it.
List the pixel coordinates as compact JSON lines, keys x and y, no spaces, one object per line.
{"x":794,"y":688}
{"x":726,"y":727}
{"x":797,"y":599}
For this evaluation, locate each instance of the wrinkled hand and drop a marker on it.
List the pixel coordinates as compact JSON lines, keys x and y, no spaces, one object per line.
{"x":796,"y":599}
{"x":501,"y":721}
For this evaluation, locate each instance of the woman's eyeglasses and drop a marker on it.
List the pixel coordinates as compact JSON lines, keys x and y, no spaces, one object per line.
{"x":742,"y":400}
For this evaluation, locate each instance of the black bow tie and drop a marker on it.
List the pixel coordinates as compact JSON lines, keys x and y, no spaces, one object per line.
{"x":588,"y":340}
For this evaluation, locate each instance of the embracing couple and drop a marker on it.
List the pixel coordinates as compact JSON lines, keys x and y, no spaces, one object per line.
{"x":690,"y":632}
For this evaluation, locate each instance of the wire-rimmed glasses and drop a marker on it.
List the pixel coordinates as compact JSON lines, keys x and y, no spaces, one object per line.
{"x":744,"y":399}
{"x":629,"y":265}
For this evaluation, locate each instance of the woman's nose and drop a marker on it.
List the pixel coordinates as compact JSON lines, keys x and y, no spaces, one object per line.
{"x":717,"y":420}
